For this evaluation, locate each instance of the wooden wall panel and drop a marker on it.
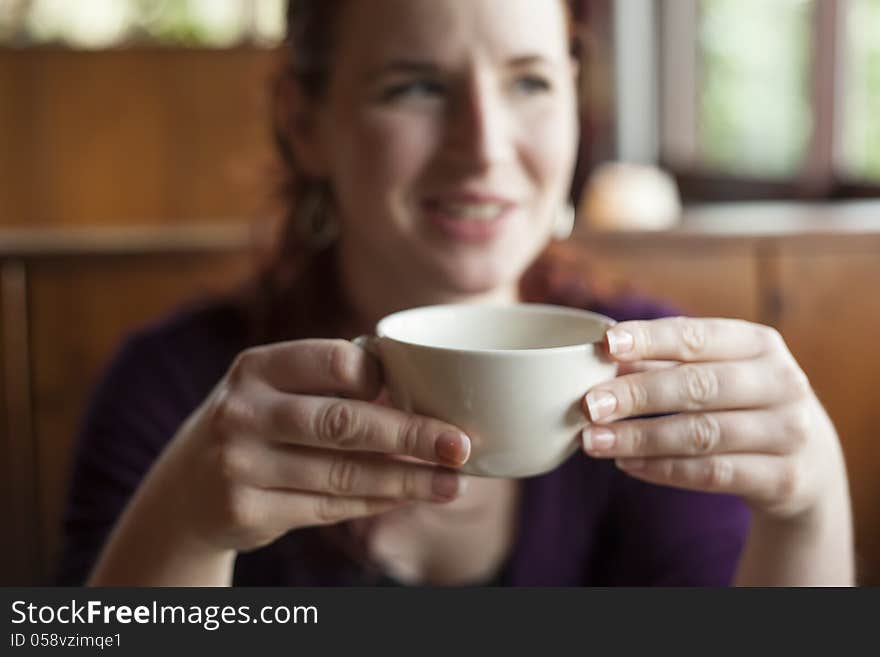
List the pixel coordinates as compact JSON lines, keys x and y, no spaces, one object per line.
{"x":17,"y":187}
{"x":707,"y":279}
{"x":102,"y":139}
{"x":219,"y":126}
{"x":20,"y":547}
{"x":81,"y":308}
{"x":5,"y":435}
{"x":830,"y":318}
{"x":132,"y":136}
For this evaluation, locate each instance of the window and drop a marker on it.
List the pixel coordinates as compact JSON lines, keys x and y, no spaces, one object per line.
{"x":753,"y":104}
{"x":859,"y":153}
{"x":93,"y":24}
{"x":770,"y":98}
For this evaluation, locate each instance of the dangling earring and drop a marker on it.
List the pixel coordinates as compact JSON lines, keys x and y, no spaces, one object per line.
{"x":317,"y":217}
{"x":563,"y":223}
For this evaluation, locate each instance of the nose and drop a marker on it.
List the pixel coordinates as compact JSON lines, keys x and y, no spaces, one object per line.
{"x":479,"y":130}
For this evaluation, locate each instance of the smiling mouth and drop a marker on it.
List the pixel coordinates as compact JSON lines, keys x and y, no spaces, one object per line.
{"x":482,"y":212}
{"x":468,"y":221}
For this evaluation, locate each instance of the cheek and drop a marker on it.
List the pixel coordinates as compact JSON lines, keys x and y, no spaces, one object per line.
{"x":383,"y":155}
{"x":549,"y":148}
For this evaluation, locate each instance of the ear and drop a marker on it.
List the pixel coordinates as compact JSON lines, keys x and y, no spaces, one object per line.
{"x":297,"y":119}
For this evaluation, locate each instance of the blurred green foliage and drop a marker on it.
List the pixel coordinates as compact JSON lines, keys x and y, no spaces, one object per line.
{"x":754,"y":110}
{"x":97,"y":24}
{"x":860,"y":149}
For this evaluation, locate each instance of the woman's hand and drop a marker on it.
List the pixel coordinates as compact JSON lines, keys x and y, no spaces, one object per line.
{"x":287,"y":439}
{"x":744,"y":419}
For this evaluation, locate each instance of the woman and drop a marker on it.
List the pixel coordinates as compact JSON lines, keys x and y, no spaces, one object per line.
{"x":431,"y":145}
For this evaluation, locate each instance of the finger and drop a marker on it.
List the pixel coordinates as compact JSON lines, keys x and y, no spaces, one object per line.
{"x":770,"y":431}
{"x":317,"y":367}
{"x":334,"y":472}
{"x":697,"y":387}
{"x":361,"y":426}
{"x":645,"y":366}
{"x":285,"y":509}
{"x":766,"y":480}
{"x":690,"y":339}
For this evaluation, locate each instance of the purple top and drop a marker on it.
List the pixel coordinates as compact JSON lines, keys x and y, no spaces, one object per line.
{"x":583,"y":524}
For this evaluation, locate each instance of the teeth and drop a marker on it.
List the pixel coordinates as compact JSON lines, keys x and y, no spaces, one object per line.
{"x":472,"y":211}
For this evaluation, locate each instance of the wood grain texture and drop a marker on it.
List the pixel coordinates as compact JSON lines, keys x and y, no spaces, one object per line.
{"x":81,"y":309}
{"x":830,"y":317}
{"x":133,"y":136}
{"x":21,"y":549}
{"x":717,"y":279}
{"x":18,"y":189}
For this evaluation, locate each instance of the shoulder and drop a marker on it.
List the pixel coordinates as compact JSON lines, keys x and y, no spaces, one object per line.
{"x":170,"y":364}
{"x":213,"y":323}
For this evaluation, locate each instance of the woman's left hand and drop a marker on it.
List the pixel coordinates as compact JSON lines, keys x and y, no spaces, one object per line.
{"x":744,"y":419}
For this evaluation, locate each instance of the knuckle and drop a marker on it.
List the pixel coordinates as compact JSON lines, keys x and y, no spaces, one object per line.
{"x":705,"y":433}
{"x":667,"y":469}
{"x":408,"y":435}
{"x":641,"y":335}
{"x":328,"y":509}
{"x":229,"y":414}
{"x":635,"y":392}
{"x":244,"y":366}
{"x":718,"y":473}
{"x":692,"y":333}
{"x":700,"y":385}
{"x":343,"y":476}
{"x":337,"y":424}
{"x":771,"y":338}
{"x":231,"y":461}
{"x":637,"y":438}
{"x":792,"y":378}
{"x":789,"y":481}
{"x":797,"y":426}
{"x":409,"y":483}
{"x":242,"y":509}
{"x":341,"y":362}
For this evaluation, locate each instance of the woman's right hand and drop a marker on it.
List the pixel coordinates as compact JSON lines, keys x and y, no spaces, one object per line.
{"x":289,"y":439}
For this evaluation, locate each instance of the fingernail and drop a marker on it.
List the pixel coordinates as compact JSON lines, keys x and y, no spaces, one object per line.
{"x":598,"y":439}
{"x":619,"y":341}
{"x":631,"y":464}
{"x":601,"y":404}
{"x":446,"y":485}
{"x":453,"y":448}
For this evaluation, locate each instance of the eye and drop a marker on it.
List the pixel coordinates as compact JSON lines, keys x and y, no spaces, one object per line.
{"x":423,"y":88}
{"x":532,"y":84}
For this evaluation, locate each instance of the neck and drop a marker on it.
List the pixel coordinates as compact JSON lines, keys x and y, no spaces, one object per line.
{"x":373,"y":292}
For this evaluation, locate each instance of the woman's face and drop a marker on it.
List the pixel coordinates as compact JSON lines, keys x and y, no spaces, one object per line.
{"x":449,"y":133}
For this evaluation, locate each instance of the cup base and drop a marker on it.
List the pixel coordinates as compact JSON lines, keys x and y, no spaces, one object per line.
{"x":513,"y":466}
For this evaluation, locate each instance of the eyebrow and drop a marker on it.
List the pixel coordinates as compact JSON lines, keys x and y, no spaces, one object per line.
{"x":527,"y":60}
{"x":426,"y":66}
{"x":403,"y":66}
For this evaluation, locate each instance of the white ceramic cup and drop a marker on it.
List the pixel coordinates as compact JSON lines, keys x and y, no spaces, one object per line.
{"x":511,"y":376}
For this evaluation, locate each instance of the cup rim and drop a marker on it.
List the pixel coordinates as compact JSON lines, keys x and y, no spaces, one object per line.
{"x":524,"y":307}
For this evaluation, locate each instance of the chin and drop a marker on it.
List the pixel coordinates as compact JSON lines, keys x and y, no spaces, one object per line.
{"x":480,"y":275}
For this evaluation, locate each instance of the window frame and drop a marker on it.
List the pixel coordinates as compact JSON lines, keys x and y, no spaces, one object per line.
{"x":678,"y":64}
